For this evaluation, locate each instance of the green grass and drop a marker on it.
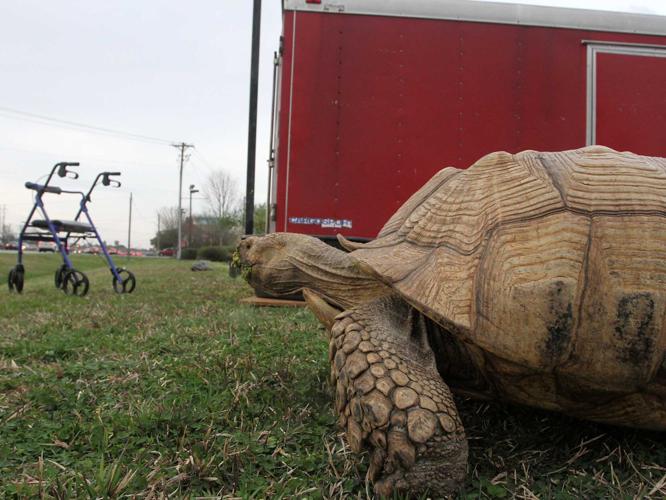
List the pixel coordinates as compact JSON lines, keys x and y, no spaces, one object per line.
{"x":177,"y":390}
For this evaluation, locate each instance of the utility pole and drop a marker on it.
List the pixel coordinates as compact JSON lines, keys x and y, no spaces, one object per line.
{"x":129,"y":230}
{"x":182,"y":147}
{"x":192,"y":191}
{"x":158,"y":233}
{"x":252,"y":126}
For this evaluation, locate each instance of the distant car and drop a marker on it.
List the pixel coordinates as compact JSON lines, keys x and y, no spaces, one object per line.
{"x":30,"y":247}
{"x":168,"y":252}
{"x":112,"y":251}
{"x":12,"y":245}
{"x":150,"y":253}
{"x":47,"y":247}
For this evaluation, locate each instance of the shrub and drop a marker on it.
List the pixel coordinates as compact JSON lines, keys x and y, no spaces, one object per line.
{"x":216,"y":254}
{"x":188,"y":253}
{"x":229,"y":251}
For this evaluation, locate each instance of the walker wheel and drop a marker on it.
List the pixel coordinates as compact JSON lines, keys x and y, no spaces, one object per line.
{"x":15,"y":278}
{"x":128,"y":281}
{"x":75,"y":283}
{"x":59,"y":275}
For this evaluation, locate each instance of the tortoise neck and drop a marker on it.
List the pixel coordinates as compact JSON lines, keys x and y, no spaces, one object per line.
{"x":333,"y":274}
{"x":306,"y":262}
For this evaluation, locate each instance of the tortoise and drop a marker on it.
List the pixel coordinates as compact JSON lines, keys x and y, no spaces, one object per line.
{"x":535,"y":278}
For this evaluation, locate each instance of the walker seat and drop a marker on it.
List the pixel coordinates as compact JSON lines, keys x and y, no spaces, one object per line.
{"x":69,"y":226}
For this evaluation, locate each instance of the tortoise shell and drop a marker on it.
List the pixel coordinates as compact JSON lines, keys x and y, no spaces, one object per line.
{"x":540,"y":263}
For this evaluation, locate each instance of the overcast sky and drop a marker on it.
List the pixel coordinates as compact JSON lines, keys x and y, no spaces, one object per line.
{"x":171,"y":70}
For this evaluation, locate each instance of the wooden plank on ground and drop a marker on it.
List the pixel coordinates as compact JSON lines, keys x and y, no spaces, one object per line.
{"x":264,"y":302}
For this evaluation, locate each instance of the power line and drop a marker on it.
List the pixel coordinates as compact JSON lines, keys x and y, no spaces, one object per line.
{"x":204,"y":160}
{"x":98,"y":160}
{"x":83,"y":127}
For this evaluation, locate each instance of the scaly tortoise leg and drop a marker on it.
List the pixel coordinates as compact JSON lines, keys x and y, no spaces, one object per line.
{"x":392,"y":400}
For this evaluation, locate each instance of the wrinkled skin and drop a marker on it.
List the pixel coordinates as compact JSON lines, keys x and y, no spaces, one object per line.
{"x":282,"y":264}
{"x":390,"y":397}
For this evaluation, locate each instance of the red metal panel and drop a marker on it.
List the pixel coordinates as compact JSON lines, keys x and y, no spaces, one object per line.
{"x":380,"y":104}
{"x":631,"y":103}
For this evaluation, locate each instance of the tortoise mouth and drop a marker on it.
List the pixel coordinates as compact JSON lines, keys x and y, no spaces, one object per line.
{"x":238,"y":266}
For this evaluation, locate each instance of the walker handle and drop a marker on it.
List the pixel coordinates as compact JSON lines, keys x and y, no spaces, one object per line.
{"x":63,"y":172}
{"x":43,"y":189}
{"x":110,"y":182}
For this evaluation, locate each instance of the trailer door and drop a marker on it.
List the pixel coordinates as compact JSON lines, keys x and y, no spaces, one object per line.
{"x":627,"y":98}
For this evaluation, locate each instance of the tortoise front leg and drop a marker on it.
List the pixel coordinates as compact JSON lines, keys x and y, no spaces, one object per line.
{"x":392,"y":400}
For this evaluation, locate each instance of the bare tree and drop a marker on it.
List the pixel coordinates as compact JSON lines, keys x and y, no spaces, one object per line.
{"x":221,"y":193}
{"x":7,"y":235}
{"x":168,"y":218}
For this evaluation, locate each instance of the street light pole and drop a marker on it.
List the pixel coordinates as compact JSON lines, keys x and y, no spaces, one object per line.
{"x":192,"y":191}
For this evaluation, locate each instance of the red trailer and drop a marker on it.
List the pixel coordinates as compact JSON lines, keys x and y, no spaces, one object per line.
{"x":372,"y":97}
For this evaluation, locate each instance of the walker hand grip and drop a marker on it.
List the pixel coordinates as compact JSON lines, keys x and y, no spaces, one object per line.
{"x":42,"y":188}
{"x":109,"y":182}
{"x":63,"y":172}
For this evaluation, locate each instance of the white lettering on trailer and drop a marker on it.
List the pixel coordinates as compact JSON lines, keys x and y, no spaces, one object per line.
{"x":324,"y":223}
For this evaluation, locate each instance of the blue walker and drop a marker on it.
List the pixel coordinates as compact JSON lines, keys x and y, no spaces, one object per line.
{"x":68,"y":279}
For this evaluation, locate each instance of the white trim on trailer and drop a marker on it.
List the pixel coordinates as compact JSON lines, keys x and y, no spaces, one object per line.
{"x":271,"y":210}
{"x":624,"y":44}
{"x":493,"y":12}
{"x":291,"y":99}
{"x":594,"y":48}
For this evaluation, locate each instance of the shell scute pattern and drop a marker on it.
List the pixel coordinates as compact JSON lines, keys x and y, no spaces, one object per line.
{"x":538,"y":259}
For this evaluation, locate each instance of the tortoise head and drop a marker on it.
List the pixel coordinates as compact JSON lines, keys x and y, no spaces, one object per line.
{"x":283,"y":264}
{"x":271,"y":264}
